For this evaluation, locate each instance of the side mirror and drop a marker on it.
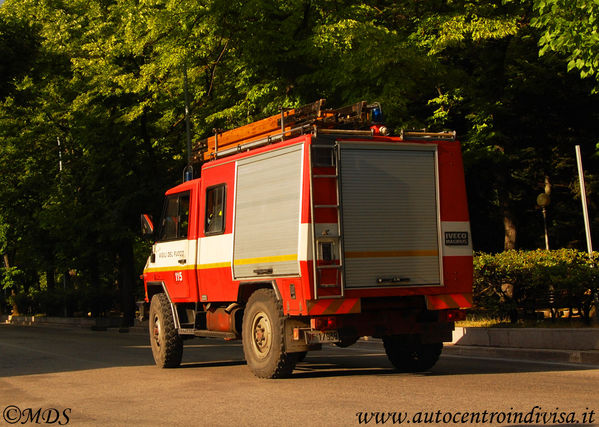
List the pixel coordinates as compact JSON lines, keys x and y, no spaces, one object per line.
{"x":147,"y":226}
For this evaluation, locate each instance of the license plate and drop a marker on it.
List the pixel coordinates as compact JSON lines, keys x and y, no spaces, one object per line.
{"x":317,"y":337}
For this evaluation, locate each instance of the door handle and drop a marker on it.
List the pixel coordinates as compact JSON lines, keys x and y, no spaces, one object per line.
{"x":392,"y":279}
{"x":182,"y":261}
{"x":263,"y":271}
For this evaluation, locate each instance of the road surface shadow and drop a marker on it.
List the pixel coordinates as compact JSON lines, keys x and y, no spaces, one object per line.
{"x":214,"y":364}
{"x":31,"y":350}
{"x":41,"y":350}
{"x":333,"y":362}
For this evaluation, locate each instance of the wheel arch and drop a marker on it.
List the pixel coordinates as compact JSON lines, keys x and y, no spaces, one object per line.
{"x":246,"y":289}
{"x":154,"y":288}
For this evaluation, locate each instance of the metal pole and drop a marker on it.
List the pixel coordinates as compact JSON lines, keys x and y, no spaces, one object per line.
{"x":64,"y":278}
{"x":583,"y":198}
{"x":187,"y":126}
{"x":64,"y":289}
{"x":59,"y":155}
{"x":545,"y":224}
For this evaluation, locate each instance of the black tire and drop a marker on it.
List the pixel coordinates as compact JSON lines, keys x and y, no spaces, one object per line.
{"x":263,"y":336}
{"x":347,"y":340}
{"x":408,"y":356}
{"x":167,"y":345}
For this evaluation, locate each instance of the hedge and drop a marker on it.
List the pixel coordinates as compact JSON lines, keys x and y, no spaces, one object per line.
{"x":512,"y":284}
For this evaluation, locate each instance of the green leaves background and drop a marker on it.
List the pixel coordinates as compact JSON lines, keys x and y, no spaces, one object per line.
{"x":105,"y":78}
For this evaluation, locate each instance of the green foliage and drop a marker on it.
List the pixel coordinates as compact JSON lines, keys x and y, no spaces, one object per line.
{"x":12,"y":278}
{"x":13,"y":282}
{"x":467,"y":22}
{"x":571,"y":28}
{"x":105,"y":79}
{"x":18,"y":42}
{"x":514,"y":281}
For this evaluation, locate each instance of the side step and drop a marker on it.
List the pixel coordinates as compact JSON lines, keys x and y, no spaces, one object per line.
{"x":208,"y":334}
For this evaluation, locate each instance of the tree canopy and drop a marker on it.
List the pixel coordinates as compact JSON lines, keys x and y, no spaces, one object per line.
{"x":570,"y":27}
{"x":98,"y":85}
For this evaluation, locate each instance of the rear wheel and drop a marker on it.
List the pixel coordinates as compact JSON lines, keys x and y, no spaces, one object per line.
{"x":167,"y":345}
{"x":410,"y":356}
{"x":263,"y":335}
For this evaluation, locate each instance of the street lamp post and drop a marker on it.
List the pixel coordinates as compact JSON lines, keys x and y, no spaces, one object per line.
{"x":543,"y":201}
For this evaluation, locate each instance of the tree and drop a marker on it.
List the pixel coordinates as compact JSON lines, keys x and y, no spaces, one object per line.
{"x":570,"y":28}
{"x":106,"y":79}
{"x":88,"y":213}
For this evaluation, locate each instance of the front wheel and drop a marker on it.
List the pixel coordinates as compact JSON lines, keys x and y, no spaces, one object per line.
{"x":408,"y":356}
{"x":167,"y":345}
{"x":263,"y":336}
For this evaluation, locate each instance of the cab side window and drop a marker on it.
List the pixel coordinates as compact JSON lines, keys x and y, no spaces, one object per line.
{"x":175,"y":218}
{"x":215,"y":210}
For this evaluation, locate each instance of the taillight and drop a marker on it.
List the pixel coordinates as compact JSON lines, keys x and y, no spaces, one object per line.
{"x":452,"y":315}
{"x":323,"y":323}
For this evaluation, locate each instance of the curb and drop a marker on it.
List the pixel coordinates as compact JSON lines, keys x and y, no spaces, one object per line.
{"x":82,"y":322}
{"x":535,"y":338}
{"x":582,"y":357}
{"x":94,"y":324}
{"x":538,"y":355}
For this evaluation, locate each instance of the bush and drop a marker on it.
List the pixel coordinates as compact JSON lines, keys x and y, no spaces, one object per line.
{"x":511,"y":283}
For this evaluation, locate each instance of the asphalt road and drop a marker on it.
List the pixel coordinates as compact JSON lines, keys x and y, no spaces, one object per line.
{"x":81,"y":377}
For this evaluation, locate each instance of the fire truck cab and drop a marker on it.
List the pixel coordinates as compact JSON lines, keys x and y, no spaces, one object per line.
{"x":309,"y":228}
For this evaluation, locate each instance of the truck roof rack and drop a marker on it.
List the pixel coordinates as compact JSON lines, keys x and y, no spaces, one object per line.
{"x":423,"y":135}
{"x":312,"y":118}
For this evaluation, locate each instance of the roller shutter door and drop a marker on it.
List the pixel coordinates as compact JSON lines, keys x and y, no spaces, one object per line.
{"x":390,"y":218}
{"x":267,"y":214}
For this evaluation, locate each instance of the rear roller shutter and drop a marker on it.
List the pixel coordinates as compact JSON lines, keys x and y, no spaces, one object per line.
{"x":390,"y":217}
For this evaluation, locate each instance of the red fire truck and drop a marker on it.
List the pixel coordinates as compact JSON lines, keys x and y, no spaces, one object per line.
{"x":313,"y":227}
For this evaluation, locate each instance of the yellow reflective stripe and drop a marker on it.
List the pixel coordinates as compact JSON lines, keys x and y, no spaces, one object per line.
{"x":214,"y":265}
{"x":266,"y":259}
{"x":390,"y":254}
{"x":245,"y":261}
{"x":187,"y":267}
{"x":170,"y":268}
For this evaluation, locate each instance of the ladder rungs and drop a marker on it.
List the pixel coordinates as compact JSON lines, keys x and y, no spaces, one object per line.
{"x":326,"y":206}
{"x":325,"y":176}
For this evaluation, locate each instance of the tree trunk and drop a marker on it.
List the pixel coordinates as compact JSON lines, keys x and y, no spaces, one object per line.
{"x":127,"y":282}
{"x":505,"y":204}
{"x":547,"y":186}
{"x":509,"y":228}
{"x":15,"y":308}
{"x":97,"y":306}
